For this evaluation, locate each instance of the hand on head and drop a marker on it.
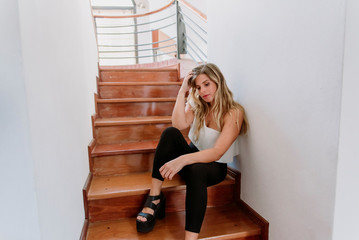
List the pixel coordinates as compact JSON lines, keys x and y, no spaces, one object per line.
{"x":185,"y":87}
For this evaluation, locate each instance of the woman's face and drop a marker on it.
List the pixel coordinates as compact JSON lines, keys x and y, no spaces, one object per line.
{"x":206,"y":88}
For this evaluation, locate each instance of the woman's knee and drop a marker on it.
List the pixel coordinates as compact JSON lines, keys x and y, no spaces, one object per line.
{"x":195,"y":173}
{"x":171,"y":132}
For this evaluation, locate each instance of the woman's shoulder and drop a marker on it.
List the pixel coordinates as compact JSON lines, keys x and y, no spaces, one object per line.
{"x":235,"y":113}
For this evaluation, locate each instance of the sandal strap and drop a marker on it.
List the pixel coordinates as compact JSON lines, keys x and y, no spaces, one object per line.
{"x":149,"y":202}
{"x":146,"y":215}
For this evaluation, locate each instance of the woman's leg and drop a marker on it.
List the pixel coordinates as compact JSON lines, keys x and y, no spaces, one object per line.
{"x":198,"y":177}
{"x":172,"y":144}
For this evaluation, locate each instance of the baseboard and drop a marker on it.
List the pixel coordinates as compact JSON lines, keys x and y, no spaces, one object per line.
{"x":84,"y":230}
{"x":258,"y":219}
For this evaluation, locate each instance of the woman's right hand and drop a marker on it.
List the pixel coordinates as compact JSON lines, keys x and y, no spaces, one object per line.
{"x":185,"y":87}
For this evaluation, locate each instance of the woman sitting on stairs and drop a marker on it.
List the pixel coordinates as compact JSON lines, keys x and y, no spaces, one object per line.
{"x":216,"y":120}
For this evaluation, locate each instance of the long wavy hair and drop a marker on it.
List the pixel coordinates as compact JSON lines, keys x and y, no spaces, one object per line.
{"x":223,"y":100}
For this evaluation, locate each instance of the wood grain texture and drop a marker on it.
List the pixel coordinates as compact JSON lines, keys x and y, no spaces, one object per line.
{"x":122,"y":164}
{"x":138,"y":91}
{"x":225,"y":222}
{"x":85,"y":227}
{"x":135,"y":109}
{"x":130,"y":184}
{"x":129,"y":206}
{"x":90,"y":148}
{"x":256,"y":218}
{"x":139,"y":76}
{"x":124,"y":148}
{"x":85,"y":191}
{"x":120,"y":121}
{"x":129,"y":133}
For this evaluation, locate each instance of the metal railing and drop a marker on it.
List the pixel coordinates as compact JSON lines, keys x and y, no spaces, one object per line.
{"x":169,"y":32}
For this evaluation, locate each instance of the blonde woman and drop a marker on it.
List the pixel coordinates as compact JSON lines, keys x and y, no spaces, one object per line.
{"x":215,"y":122}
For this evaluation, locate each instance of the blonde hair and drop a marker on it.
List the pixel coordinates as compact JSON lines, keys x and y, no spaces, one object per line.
{"x":223,"y":100}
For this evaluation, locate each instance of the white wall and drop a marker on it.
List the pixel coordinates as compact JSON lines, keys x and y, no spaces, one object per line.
{"x":18,"y":206}
{"x":53,"y":80}
{"x":283,"y":61}
{"x":347,"y":195}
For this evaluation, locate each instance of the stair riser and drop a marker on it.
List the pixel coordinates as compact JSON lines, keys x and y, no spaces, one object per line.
{"x":122,"y":164}
{"x":129,"y":206}
{"x":135,"y":109}
{"x":121,"y":76}
{"x":107,"y":92}
{"x":129,"y":133}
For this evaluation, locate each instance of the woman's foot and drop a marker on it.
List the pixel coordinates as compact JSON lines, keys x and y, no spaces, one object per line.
{"x":148,"y":210}
{"x":154,"y":208}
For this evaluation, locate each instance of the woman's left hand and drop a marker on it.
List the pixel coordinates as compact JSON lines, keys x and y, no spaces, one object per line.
{"x":172,"y":167}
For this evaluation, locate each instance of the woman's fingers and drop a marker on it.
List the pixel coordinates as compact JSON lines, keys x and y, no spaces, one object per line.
{"x":166,"y":172}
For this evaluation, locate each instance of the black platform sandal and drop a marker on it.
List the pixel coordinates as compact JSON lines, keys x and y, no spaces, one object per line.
{"x":159,"y":212}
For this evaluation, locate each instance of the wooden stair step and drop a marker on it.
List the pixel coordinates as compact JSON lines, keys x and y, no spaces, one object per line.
{"x":135,"y":107}
{"x":223,"y":222}
{"x":136,"y":100}
{"x":122,"y":164}
{"x":119,"y":121}
{"x":107,"y":90}
{"x":139,"y":83}
{"x":123,"y":158}
{"x":116,"y":197}
{"x":124,"y":185}
{"x":124,"y":148}
{"x":120,"y":69}
{"x":131,"y":129}
{"x":139,"y":75}
{"x":132,"y":184}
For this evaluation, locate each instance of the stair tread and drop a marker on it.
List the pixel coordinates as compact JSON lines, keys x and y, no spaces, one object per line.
{"x":132,"y":120}
{"x":124,"y":148}
{"x":139,"y":83}
{"x":127,"y":100}
{"x":223,"y":222}
{"x":116,"y":69}
{"x":132,"y":184}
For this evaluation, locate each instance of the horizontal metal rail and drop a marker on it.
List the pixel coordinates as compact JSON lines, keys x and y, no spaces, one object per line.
{"x":133,"y":25}
{"x":194,"y":59}
{"x":148,"y":49}
{"x":154,"y":55}
{"x":143,"y":44}
{"x":137,"y":15}
{"x":188,"y":20}
{"x":195,"y":53}
{"x":137,"y":32}
{"x":193,"y":9}
{"x":193,"y":43}
{"x":204,"y":31}
{"x":199,"y":35}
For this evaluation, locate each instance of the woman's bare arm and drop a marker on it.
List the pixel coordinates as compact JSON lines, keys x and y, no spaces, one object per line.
{"x":182,"y":115}
{"x":230,"y":132}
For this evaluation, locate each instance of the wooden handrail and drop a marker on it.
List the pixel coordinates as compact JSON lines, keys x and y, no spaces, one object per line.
{"x":137,"y":15}
{"x":195,"y":10}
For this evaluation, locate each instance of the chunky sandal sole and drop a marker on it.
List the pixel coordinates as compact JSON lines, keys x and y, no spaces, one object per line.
{"x":148,"y":225}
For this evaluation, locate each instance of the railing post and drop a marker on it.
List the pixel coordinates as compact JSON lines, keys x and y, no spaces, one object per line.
{"x":181,"y":44}
{"x":177,"y":28}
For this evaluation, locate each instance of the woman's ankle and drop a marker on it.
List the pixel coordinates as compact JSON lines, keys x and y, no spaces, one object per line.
{"x":156,"y":187}
{"x":191,"y":235}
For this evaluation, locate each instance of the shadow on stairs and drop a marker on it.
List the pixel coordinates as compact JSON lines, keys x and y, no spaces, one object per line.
{"x":133,"y":107}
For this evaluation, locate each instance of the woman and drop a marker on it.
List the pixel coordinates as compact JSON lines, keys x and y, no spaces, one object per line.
{"x":216,"y":120}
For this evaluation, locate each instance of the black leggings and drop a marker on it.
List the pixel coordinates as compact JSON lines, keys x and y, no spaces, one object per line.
{"x":197,"y":176}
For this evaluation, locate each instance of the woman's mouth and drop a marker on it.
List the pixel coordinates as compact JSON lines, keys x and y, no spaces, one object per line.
{"x":205,"y":96}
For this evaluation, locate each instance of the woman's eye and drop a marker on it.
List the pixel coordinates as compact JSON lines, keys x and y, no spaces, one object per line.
{"x":207,"y":84}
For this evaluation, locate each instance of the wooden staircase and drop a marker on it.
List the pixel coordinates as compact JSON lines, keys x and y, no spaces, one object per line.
{"x":133,"y":107}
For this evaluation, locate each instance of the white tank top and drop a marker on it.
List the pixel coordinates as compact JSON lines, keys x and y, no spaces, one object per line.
{"x":208,"y":137}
